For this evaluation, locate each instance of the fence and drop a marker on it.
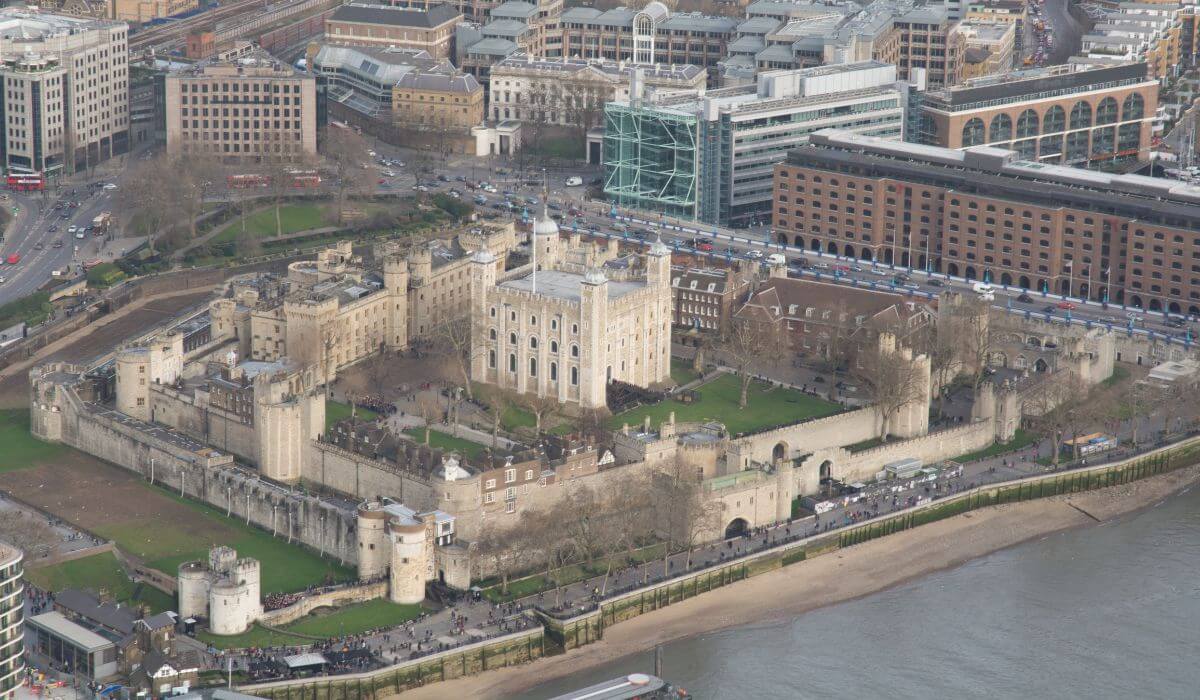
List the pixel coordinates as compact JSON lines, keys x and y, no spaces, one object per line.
{"x":473,"y":659}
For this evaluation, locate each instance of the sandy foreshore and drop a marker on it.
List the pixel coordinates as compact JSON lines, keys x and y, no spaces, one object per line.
{"x":833,"y":578}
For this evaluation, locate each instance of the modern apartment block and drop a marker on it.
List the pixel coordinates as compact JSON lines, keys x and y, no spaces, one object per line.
{"x":66,"y":90}
{"x":12,"y":620}
{"x":984,"y":213}
{"x":1072,"y":114}
{"x":1162,"y":35}
{"x":250,"y":109}
{"x":382,"y":26}
{"x":711,"y":157}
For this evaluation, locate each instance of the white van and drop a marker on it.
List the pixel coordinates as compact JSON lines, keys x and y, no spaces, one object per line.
{"x":985,"y":291}
{"x":574,"y":181}
{"x":776,"y":259}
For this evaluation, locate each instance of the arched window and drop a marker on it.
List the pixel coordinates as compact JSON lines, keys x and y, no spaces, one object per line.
{"x":512,"y":362}
{"x":554,"y":346}
{"x":574,"y":376}
{"x":574,"y":329}
{"x":973,"y":132}
{"x":491,"y":333}
{"x":533,"y":320}
{"x":492,"y":359}
{"x":493,"y":312}
{"x":1106,"y":111}
{"x":1134,"y":108}
{"x":533,"y":342}
{"x":533,"y":366}
{"x":1054,"y":121}
{"x":1001,"y":129}
{"x":1027,"y":124}
{"x":1077,"y":145}
{"x":512,"y":338}
{"x":574,"y":350}
{"x":1129,"y":136}
{"x":554,"y":371}
{"x":554,"y":324}
{"x":1081,"y":115}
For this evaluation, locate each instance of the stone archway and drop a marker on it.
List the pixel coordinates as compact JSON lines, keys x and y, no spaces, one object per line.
{"x":780,"y":452}
{"x":997,"y":358}
{"x":1041,"y":366}
{"x":736,"y":528}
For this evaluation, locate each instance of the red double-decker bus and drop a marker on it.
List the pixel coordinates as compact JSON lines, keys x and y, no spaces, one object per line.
{"x":241,"y":182}
{"x":305,"y":178}
{"x":26,"y":182}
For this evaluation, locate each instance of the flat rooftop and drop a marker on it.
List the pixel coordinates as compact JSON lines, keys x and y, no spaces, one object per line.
{"x":566,"y":285}
{"x":55,"y":623}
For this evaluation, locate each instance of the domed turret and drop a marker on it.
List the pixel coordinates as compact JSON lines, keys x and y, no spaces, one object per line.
{"x":658,"y":247}
{"x":545,"y":226}
{"x":594,"y":276}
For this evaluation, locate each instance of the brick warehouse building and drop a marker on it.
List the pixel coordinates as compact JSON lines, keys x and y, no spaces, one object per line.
{"x":1072,"y":114}
{"x":981,"y":213}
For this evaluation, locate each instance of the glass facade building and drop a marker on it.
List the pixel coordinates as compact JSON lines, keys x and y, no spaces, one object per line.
{"x":12,"y":600}
{"x":710,"y":158}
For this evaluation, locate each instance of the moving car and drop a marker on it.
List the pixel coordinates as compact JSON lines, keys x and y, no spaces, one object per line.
{"x":1025,"y":298}
{"x":13,"y":259}
{"x":1065,"y":305}
{"x":574,"y":181}
{"x":985,"y":291}
{"x":776,"y":259}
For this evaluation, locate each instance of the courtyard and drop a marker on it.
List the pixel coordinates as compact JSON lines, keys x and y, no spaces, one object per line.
{"x":768,"y":406}
{"x":322,"y":624}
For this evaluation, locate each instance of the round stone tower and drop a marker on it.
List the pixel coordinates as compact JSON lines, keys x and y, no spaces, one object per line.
{"x":192,"y":588}
{"x":408,"y":562}
{"x":373,"y":550}
{"x":231,"y":610}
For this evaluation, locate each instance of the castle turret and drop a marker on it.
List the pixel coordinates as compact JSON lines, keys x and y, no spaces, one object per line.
{"x":545,"y":241}
{"x":594,"y":365}
{"x":395,"y":281}
{"x":409,"y":562}
{"x":192,"y":589}
{"x":373,"y":549}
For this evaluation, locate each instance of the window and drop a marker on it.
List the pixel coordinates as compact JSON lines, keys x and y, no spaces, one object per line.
{"x":489,"y":497}
{"x":528,"y":475}
{"x":510,"y":475}
{"x":574,"y":376}
{"x":492,"y":359}
{"x":533,"y":366}
{"x":512,"y":362}
{"x":574,"y":350}
{"x":554,"y":346}
{"x":489,"y":484}
{"x":554,"y":371}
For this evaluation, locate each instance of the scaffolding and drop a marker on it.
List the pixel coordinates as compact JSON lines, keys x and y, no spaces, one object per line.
{"x":651,"y":159}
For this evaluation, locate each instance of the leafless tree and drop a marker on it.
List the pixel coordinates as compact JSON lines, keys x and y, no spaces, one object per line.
{"x":542,"y":408}
{"x":1139,"y":401}
{"x":504,"y":549}
{"x":966,"y":327}
{"x":684,"y":514}
{"x":1055,"y":407}
{"x":145,"y":199}
{"x":430,"y":410}
{"x":27,"y":532}
{"x":346,"y":155}
{"x":892,"y":380}
{"x":745,"y":346}
{"x":452,"y":339}
{"x":497,"y":402}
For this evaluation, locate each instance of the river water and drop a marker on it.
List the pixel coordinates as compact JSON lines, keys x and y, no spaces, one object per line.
{"x":1111,"y":611}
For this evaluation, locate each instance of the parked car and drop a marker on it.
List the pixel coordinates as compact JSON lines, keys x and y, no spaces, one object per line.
{"x":574,"y":181}
{"x":1025,"y":298}
{"x":1066,"y":305}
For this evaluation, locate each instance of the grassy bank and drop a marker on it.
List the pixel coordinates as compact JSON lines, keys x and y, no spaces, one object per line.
{"x":166,"y":545}
{"x":20,"y":449}
{"x":352,"y":619}
{"x":100,"y":572}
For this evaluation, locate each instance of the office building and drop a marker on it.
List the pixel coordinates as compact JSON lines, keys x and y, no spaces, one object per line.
{"x":250,"y":109}
{"x":66,"y":91}
{"x":983,"y":213}
{"x":989,"y":47}
{"x":1164,"y":36}
{"x":574,"y":91}
{"x":650,"y":35}
{"x":382,"y":26}
{"x":1072,"y":114}
{"x":710,"y":158}
{"x":438,"y":100}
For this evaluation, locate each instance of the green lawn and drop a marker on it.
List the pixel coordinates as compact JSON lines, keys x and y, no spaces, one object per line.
{"x":1021,"y":439}
{"x":22,"y":450}
{"x":336,"y":411}
{"x":285,"y":567}
{"x":256,"y":637}
{"x":682,"y":372}
{"x":767,"y":407}
{"x":445,"y":441}
{"x":96,"y":573}
{"x":351,"y":619}
{"x":294,"y":217}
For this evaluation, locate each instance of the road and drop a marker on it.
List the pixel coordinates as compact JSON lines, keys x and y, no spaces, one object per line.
{"x":31,"y":236}
{"x":1068,"y":32}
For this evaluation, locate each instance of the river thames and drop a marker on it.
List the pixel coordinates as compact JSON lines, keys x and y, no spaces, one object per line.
{"x":1111,"y":611}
